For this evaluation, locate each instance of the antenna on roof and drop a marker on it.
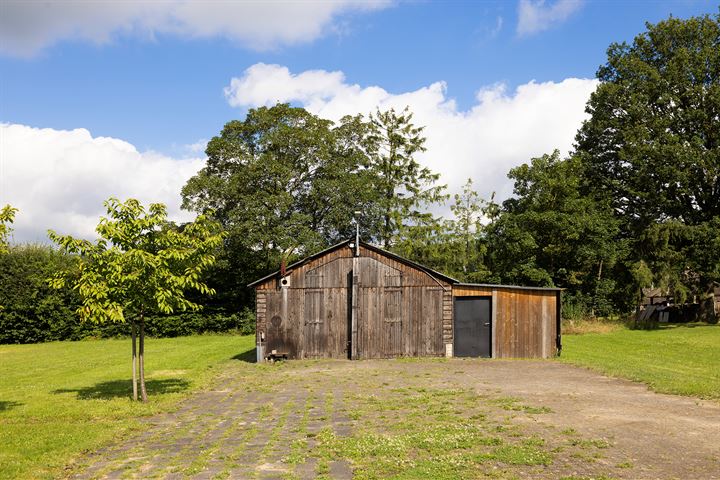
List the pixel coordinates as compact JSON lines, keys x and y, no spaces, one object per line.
{"x":357,"y":232}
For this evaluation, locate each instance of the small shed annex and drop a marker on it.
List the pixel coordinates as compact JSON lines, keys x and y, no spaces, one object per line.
{"x":360,"y":301}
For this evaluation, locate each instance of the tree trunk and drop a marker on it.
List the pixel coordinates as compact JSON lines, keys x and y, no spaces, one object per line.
{"x":143,"y":392}
{"x":134,"y":360}
{"x":387,"y":233}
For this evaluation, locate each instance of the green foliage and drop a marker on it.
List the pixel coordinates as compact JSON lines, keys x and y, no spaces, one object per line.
{"x":642,"y":275}
{"x":427,"y":243}
{"x":652,"y":148}
{"x":405,"y":188}
{"x":7,"y":216}
{"x":283,"y":183}
{"x":141,"y":263}
{"x":189,"y":323}
{"x":454,"y":247}
{"x":178,"y":325}
{"x":467,"y":260}
{"x":550,"y":234}
{"x":34,"y":312}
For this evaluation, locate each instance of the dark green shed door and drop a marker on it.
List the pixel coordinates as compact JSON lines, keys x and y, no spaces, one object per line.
{"x":472,"y":327}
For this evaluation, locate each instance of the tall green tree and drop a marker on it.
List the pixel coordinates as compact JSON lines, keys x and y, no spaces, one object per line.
{"x":141,"y":264}
{"x":284,"y":183}
{"x":466,"y":232}
{"x":7,"y":216}
{"x":454,"y":246}
{"x":651,"y":146}
{"x":550,"y":234}
{"x":429,"y":243}
{"x":406,"y":188}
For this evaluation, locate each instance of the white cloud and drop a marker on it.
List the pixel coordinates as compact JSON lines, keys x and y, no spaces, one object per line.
{"x":535,"y":15}
{"x":197,"y":147}
{"x":501,"y":130}
{"x":27,"y":26}
{"x":58,"y":179}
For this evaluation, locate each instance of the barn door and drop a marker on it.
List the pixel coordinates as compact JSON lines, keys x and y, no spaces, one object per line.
{"x":391,"y":335}
{"x":314,"y":327}
{"x":472,"y":327}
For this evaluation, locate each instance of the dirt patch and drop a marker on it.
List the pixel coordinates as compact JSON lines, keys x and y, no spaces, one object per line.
{"x":421,"y":419}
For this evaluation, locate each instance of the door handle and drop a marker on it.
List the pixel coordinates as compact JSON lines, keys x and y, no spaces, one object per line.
{"x":487,"y":324}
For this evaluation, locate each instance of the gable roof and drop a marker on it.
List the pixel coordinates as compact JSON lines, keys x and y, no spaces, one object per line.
{"x":429,"y":271}
{"x":373,"y":248}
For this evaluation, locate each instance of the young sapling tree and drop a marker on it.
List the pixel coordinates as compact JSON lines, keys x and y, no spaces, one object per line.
{"x":141,"y":264}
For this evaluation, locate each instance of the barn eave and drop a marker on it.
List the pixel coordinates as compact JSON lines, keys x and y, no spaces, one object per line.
{"x":514,"y":287}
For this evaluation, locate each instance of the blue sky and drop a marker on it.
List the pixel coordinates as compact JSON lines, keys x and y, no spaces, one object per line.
{"x":153,"y":80}
{"x":168,"y":91}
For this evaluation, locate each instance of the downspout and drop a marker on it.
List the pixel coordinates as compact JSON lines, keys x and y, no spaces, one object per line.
{"x":558,"y":322}
{"x":355,"y":304}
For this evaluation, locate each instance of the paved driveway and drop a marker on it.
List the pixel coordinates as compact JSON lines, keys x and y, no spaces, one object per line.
{"x":421,"y":418}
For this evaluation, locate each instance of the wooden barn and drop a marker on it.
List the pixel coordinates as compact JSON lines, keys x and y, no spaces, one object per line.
{"x":360,"y":301}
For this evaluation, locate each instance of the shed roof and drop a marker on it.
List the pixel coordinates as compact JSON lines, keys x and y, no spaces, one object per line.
{"x":519,"y":287}
{"x":398,"y":258}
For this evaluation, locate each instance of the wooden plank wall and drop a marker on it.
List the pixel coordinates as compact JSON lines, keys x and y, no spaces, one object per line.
{"x":402,"y":310}
{"x":524,"y":321}
{"x":312,"y":311}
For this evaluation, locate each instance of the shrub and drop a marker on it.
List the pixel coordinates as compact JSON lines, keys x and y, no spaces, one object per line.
{"x":31,"y":310}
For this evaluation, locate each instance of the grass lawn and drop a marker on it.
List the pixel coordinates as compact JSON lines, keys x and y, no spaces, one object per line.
{"x":60,"y":399}
{"x":680,"y":359}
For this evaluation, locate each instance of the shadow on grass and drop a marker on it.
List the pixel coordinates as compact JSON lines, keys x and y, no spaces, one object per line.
{"x":249,"y":356}
{"x":8,"y":404}
{"x":123,"y":388}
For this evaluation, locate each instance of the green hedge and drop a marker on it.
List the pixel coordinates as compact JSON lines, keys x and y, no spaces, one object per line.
{"x":32,"y":312}
{"x":186,"y":323}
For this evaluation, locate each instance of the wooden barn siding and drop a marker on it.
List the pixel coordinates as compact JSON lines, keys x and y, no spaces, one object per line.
{"x":524,"y":321}
{"x":417,"y":331}
{"x":468,"y":291}
{"x":402,"y":311}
